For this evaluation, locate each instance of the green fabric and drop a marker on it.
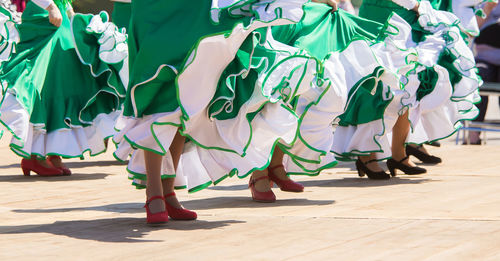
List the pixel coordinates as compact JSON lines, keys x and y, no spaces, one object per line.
{"x":367,"y":100}
{"x":162,"y":33}
{"x":254,"y":59}
{"x":63,"y":2}
{"x":121,"y":14}
{"x":89,"y":48}
{"x":48,"y":78}
{"x":428,"y":79}
{"x":5,"y":12}
{"x":233,"y":84}
{"x":446,"y":59}
{"x":321,"y":31}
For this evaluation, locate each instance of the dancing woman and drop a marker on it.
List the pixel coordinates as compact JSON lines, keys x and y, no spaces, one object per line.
{"x":205,"y":71}
{"x":440,"y":78}
{"x":54,"y":105}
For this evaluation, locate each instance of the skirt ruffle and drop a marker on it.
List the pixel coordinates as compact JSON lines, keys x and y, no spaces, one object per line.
{"x":444,"y":81}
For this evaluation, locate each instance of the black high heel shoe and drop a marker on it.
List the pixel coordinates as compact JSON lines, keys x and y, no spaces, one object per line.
{"x":363,"y":169}
{"x":393,"y":165}
{"x":422,"y":156}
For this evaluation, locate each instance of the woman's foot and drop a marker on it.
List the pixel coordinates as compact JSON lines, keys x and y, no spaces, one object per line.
{"x":40,"y":167}
{"x":176,"y":211}
{"x":57,"y":163}
{"x":156,"y":212}
{"x":260,"y":186}
{"x":405,"y":165}
{"x":278,"y":175}
{"x":419,"y":152}
{"x":369,"y":165}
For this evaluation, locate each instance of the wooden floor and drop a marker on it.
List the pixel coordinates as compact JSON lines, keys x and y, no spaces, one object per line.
{"x":452,"y":213}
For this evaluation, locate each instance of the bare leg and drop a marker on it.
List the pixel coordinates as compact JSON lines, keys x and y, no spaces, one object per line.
{"x":154,"y":184}
{"x":373,"y":166}
{"x":399,"y":135}
{"x":262,"y":185}
{"x":277,"y":160}
{"x":176,"y":149}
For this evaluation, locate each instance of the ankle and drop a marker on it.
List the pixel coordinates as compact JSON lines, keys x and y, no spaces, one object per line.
{"x":259,"y":173}
{"x":278,"y":171}
{"x":373,"y":165}
{"x":156,"y":205}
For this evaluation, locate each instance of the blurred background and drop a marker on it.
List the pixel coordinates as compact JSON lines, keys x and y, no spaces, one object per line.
{"x":92,"y":6}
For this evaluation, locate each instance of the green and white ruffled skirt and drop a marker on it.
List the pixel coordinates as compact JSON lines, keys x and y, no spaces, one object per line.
{"x":440,"y":71}
{"x":355,"y":114}
{"x":214,"y":72}
{"x":54,"y":103}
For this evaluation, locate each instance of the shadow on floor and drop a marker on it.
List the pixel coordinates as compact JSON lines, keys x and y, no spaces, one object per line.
{"x":78,"y":164}
{"x":114,"y":230}
{"x":196,"y":204}
{"x":364,"y":182}
{"x":35,"y":178}
{"x":246,"y":202}
{"x":114,"y":208}
{"x":344,"y":182}
{"x":104,"y":163}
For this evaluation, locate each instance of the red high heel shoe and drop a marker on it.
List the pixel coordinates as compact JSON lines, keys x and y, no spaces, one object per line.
{"x":65,"y":171}
{"x":285,"y":185}
{"x":264,"y":197}
{"x":155,"y":218}
{"x":28,"y":165}
{"x":179,"y":213}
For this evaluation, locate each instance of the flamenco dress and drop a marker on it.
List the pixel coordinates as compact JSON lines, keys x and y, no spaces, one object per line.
{"x":213,"y":71}
{"x":442,"y":79}
{"x":355,"y":114}
{"x":53,"y":103}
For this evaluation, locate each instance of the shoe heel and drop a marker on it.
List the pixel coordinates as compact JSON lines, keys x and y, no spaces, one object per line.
{"x":393,"y":172}
{"x":361,"y":173}
{"x":391,"y":168}
{"x":26,"y":172}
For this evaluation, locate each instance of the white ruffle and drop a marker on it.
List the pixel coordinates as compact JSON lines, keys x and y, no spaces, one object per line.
{"x":113,"y":46}
{"x":234,"y":134}
{"x":262,"y":10}
{"x":199,"y":165}
{"x":360,"y":60}
{"x":71,"y":142}
{"x":113,"y":41}
{"x":9,"y":37}
{"x":437,"y":114}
